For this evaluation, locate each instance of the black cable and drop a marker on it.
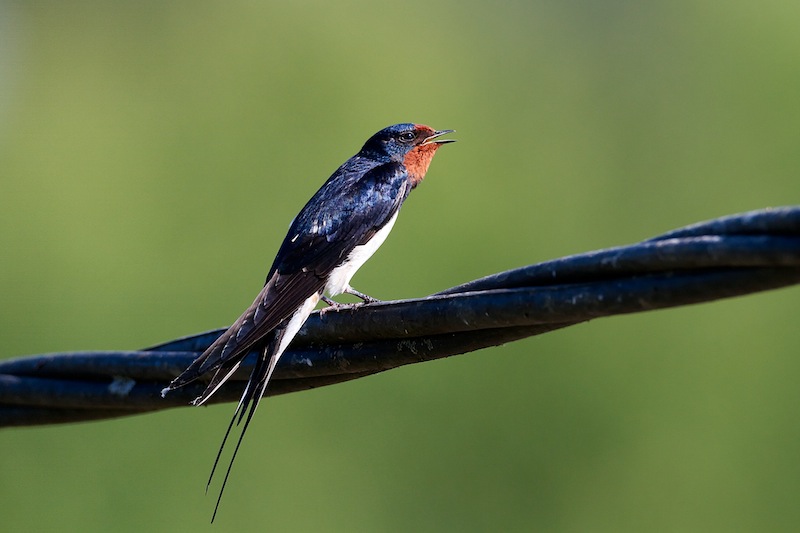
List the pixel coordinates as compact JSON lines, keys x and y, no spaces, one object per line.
{"x":721,"y":258}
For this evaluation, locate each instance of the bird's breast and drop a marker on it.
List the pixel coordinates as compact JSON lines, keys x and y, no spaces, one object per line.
{"x":340,"y":277}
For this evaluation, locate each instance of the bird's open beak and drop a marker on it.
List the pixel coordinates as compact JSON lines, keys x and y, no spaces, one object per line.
{"x":434,"y":139}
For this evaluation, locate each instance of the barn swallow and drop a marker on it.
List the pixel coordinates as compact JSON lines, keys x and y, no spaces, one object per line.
{"x":336,"y":232}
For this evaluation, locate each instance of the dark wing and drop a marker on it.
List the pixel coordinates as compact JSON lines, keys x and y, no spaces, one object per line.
{"x":344,"y":213}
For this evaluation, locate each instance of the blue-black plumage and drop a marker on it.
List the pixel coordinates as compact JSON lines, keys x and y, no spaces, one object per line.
{"x":334,"y":234}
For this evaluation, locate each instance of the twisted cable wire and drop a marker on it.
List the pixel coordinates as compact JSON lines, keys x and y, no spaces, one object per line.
{"x":721,"y":258}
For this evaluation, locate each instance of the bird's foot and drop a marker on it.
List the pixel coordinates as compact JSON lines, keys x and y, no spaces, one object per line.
{"x":367,"y":299}
{"x":334,"y":306}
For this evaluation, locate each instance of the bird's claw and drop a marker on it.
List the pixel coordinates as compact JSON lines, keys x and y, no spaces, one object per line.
{"x":364,"y":297}
{"x":336,"y":306}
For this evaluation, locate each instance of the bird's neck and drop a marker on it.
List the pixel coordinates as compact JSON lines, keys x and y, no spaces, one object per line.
{"x":418,"y":160}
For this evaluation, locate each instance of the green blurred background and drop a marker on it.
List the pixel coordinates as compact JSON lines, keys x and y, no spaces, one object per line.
{"x":152,"y":155}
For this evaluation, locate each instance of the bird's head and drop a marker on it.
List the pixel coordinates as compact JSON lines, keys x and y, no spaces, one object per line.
{"x":411,"y":144}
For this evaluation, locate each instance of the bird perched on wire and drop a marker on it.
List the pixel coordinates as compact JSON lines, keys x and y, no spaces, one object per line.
{"x":336,"y":232}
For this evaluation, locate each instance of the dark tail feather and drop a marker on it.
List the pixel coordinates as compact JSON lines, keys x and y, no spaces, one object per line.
{"x":241,"y":408}
{"x":221,"y":447}
{"x":253,"y":405}
{"x":208,"y":361}
{"x":253,"y":393}
{"x":219,"y":378}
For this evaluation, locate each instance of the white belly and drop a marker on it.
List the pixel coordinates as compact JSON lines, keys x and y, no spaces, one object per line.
{"x":340,"y":277}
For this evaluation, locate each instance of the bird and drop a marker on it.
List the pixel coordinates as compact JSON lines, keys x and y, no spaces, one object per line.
{"x":333,"y":235}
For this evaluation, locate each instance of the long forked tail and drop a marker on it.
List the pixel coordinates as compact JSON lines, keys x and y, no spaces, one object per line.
{"x":253,"y":392}
{"x":274,"y":344}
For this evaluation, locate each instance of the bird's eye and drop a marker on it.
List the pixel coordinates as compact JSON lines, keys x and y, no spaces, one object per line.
{"x":407,"y":136}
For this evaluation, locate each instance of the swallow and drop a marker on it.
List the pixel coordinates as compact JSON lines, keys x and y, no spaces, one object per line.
{"x":335,"y":233}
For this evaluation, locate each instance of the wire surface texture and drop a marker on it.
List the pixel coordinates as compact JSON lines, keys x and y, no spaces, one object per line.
{"x":720,"y":258}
